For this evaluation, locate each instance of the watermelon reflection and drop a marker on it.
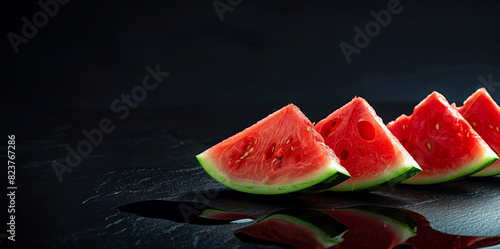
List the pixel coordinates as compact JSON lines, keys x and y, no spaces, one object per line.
{"x":430,"y":238}
{"x":301,"y":228}
{"x":357,"y":227}
{"x":185,"y":212}
{"x":375,"y":227}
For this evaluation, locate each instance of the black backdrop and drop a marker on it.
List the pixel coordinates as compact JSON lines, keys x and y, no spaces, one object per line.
{"x":87,"y":54}
{"x":91,"y":52}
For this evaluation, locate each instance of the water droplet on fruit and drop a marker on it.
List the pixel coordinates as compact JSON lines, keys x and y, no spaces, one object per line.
{"x":366,"y":130}
{"x":344,"y":154}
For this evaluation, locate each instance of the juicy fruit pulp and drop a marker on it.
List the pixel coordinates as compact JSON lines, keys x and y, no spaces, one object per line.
{"x":280,"y":154}
{"x":367,"y":149}
{"x":483,"y":113}
{"x":441,"y":141}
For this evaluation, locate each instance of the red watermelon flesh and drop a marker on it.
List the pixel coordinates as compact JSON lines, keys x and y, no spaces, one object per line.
{"x":441,"y":141}
{"x":280,"y":154}
{"x":369,"y":151}
{"x":483,"y":113}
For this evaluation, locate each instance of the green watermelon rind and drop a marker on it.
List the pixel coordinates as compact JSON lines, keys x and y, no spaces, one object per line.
{"x":398,"y":175}
{"x":330,"y":175}
{"x":484,"y":170}
{"x":485,"y":160}
{"x":488,"y":171}
{"x":493,"y":169}
{"x":325,"y":238}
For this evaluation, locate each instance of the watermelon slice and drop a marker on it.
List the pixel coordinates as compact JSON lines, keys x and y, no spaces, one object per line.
{"x":483,"y":113}
{"x":300,"y":228}
{"x":441,"y":141}
{"x":369,"y":151}
{"x":280,"y":154}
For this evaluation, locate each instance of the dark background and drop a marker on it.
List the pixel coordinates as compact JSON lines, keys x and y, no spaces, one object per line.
{"x":224,"y":76}
{"x":91,"y":52}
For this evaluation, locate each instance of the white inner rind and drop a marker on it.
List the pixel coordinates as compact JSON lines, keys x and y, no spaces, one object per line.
{"x":493,"y":169}
{"x":487,"y":155}
{"x":326,"y":171}
{"x":388,"y":175}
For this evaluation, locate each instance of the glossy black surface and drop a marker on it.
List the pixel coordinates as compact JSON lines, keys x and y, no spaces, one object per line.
{"x":151,"y":156}
{"x":376,"y":227}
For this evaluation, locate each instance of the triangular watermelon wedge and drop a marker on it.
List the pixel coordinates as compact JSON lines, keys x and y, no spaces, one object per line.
{"x":441,"y":141}
{"x":280,"y":154}
{"x":369,"y":151}
{"x":483,"y":113}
